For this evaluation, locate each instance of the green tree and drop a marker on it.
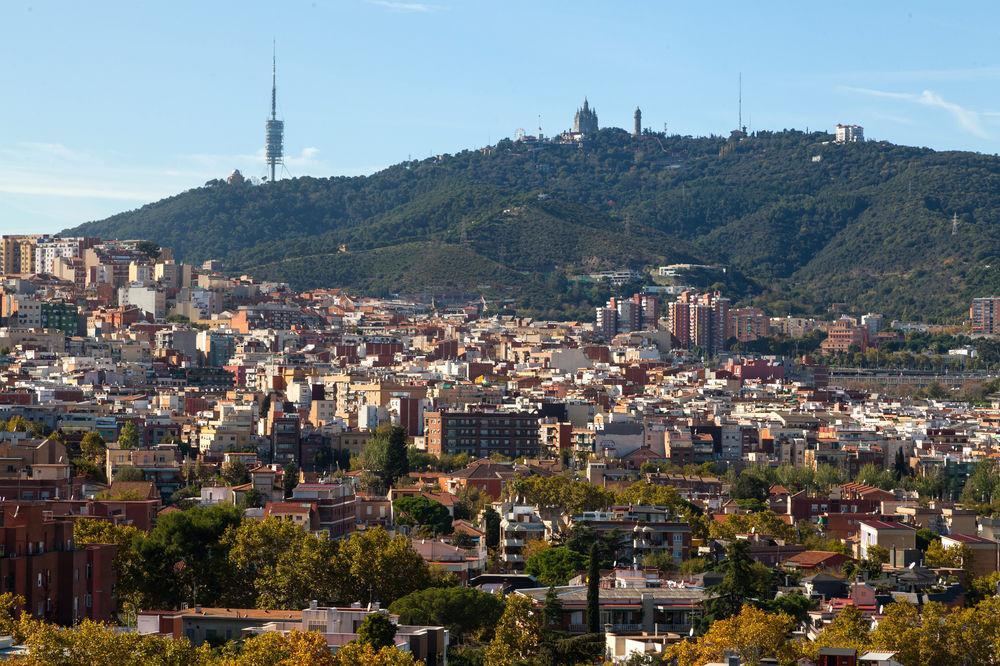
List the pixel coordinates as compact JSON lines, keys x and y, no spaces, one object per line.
{"x":128,"y":436}
{"x":184,"y":557}
{"x":924,"y":538}
{"x":149,"y":248}
{"x":958,"y":556}
{"x":274,"y":563}
{"x":795,"y":605}
{"x":377,"y":630}
{"x":375,"y":566}
{"x":873,"y":475}
{"x":290,"y":478}
{"x":491,"y":525}
{"x":983,"y":484}
{"x":594,"y":591}
{"x":419,"y":511}
{"x":517,"y":635}
{"x":849,"y":629}
{"x":18,"y":423}
{"x":93,"y":447}
{"x":235,"y":473}
{"x":568,"y":495}
{"x":385,"y":456}
{"x":552,"y":609}
{"x":749,"y":485}
{"x":129,"y":473}
{"x":900,"y":466}
{"x":555,"y":565}
{"x":581,"y":537}
{"x":467,"y":613}
{"x":323,"y":459}
{"x":751,"y":634}
{"x":739,"y":585}
{"x":252,"y":498}
{"x":397,"y":463}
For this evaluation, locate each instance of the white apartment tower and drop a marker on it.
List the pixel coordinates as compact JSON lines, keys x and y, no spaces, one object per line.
{"x":850,"y":133}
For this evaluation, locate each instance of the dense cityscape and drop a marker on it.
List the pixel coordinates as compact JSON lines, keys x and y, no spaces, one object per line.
{"x":709,"y":379}
{"x":228,"y":468}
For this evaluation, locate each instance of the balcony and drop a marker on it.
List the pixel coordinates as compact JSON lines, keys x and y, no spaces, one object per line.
{"x":662,"y":628}
{"x":616,"y":628}
{"x":513,"y":542}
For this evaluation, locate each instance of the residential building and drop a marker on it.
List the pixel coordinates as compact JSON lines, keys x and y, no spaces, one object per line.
{"x":849,"y":133}
{"x":482,"y":433}
{"x":984,"y":314}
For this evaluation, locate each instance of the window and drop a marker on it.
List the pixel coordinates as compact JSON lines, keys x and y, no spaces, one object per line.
{"x":39,"y":579}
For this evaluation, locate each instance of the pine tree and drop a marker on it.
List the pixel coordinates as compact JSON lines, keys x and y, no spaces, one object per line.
{"x":552,"y":609}
{"x":594,"y":592}
{"x":900,"y":466}
{"x":397,"y":462}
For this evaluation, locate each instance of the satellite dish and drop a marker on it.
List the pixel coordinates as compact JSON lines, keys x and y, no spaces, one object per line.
{"x":912,"y":564}
{"x":880,"y":609}
{"x":691,"y":632}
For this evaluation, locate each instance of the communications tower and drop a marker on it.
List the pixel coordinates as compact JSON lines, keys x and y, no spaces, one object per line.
{"x":274,"y":134}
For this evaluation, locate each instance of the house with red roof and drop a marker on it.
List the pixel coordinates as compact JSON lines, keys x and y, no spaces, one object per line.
{"x":816,"y":560}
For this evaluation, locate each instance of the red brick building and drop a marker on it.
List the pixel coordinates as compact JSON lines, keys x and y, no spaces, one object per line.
{"x":40,"y":562}
{"x":842,"y":335}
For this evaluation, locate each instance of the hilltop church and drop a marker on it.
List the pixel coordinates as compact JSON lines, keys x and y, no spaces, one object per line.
{"x":585,"y":120}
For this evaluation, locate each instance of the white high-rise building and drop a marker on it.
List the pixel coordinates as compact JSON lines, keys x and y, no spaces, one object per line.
{"x":850,"y":133}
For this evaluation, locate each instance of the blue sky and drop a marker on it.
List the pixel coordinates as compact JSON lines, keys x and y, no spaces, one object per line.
{"x":108,"y":105}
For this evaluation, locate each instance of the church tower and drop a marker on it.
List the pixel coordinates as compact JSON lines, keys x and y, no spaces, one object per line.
{"x":637,"y":125}
{"x":585,"y":120}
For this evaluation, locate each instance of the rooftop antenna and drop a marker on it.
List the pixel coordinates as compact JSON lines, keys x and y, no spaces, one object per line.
{"x":274,"y":133}
{"x":739,"y":103}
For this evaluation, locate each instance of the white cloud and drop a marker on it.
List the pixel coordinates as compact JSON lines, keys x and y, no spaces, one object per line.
{"x":968,"y":119}
{"x":408,"y":7}
{"x":948,"y":75}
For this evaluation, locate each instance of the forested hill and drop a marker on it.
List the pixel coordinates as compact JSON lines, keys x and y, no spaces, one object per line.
{"x":799,"y":221}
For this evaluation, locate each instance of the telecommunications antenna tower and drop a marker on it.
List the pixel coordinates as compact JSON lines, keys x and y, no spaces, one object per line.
{"x":274,"y":133}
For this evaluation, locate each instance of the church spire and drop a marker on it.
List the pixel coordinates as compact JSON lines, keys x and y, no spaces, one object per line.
{"x":585,"y":120}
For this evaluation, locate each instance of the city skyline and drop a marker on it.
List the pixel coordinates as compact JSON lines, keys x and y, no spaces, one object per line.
{"x":196,"y":92}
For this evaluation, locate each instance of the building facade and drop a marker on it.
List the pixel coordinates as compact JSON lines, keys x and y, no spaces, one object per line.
{"x":482,"y":434}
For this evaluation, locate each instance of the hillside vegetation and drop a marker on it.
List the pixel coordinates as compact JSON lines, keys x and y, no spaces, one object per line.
{"x":799,"y":222}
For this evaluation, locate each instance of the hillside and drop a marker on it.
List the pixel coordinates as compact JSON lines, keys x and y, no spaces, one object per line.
{"x":801,"y":223}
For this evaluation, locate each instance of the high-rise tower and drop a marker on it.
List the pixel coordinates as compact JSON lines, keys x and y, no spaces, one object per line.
{"x":637,"y":126}
{"x":274,"y":133}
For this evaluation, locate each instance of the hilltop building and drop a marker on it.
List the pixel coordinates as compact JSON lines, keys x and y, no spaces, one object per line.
{"x":585,"y":120}
{"x":637,"y":123}
{"x":850,"y":133}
